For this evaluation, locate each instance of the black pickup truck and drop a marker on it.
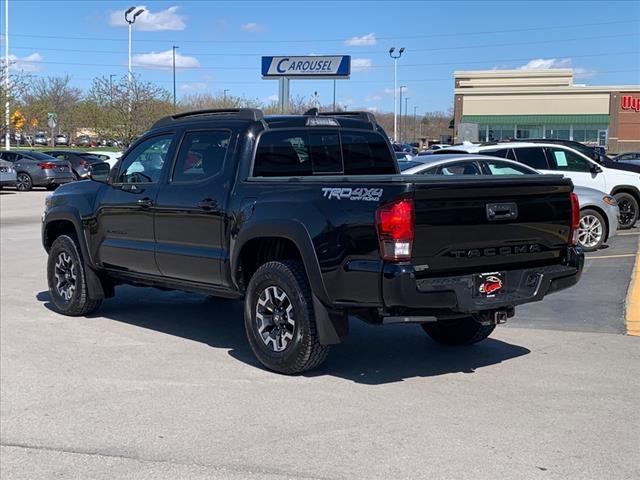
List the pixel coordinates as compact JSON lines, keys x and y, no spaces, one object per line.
{"x":307,"y":218}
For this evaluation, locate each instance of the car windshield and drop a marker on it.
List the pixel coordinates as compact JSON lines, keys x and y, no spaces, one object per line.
{"x":406,"y":165}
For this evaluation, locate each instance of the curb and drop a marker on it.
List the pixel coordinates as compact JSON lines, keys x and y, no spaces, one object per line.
{"x":633,"y":300}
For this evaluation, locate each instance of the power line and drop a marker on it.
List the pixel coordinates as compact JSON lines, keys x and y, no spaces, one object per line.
{"x":342,"y":40}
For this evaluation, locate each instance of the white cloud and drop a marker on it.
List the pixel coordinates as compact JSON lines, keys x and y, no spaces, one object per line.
{"x":29,"y":63}
{"x":272,"y":98}
{"x":252,"y":27}
{"x":372,"y":109}
{"x":364,"y":40}
{"x":193,"y":87}
{"x":373,"y":98}
{"x":361,"y":64}
{"x":389,"y":91}
{"x":544,"y":63}
{"x":168,"y":19}
{"x":163,"y":60}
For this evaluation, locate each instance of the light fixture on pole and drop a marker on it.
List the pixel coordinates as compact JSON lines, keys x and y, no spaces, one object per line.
{"x":400,"y":130}
{"x":174,"y":77}
{"x":395,"y":89}
{"x":131,"y":21}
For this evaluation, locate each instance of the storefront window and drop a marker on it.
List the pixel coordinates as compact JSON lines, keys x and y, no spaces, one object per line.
{"x":500,"y":132}
{"x":557,"y":132}
{"x":529,"y":131}
{"x":587,"y":133}
{"x":482,"y":133}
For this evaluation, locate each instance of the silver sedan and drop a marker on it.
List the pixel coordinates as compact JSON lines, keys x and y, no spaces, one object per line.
{"x":599,"y":213}
{"x":7,"y":174}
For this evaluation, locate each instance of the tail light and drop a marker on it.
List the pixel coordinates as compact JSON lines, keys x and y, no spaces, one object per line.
{"x":47,"y":165}
{"x":575,"y":219}
{"x":395,"y":222}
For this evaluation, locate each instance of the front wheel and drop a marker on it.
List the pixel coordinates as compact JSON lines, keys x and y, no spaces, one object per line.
{"x":67,"y":280}
{"x":460,"y":332}
{"x":24,"y":182}
{"x":592,"y":230}
{"x":628,"y":206}
{"x":279,"y":319}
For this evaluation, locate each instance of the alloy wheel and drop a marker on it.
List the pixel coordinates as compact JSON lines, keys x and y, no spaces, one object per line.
{"x":627,"y":212}
{"x":66,"y":276}
{"x":23,"y":182}
{"x":589,"y":231}
{"x":275,"y":318}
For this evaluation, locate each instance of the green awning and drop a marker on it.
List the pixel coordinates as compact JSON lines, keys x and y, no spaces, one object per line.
{"x":537,"y":119}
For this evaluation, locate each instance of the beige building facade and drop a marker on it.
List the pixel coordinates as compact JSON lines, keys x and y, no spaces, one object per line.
{"x":521,"y":104}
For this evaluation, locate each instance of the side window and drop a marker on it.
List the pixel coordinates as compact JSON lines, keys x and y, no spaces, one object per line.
{"x":282,"y":154}
{"x":201,"y":155}
{"x":533,"y":157}
{"x":144,"y":163}
{"x":9,"y":156}
{"x":366,"y":153}
{"x":460,"y":168}
{"x":502,"y":152}
{"x":503,"y":168}
{"x":568,"y":161}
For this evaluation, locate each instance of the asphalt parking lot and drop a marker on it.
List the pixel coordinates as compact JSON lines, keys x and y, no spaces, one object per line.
{"x":163,"y":385}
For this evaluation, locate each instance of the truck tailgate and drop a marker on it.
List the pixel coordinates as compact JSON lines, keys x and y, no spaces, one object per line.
{"x":489,"y":224}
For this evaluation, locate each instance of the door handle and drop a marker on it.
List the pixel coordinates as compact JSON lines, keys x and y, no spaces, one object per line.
{"x":145,"y":202}
{"x":207,"y":204}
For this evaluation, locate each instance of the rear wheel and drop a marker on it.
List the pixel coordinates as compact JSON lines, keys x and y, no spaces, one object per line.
{"x":462,"y":331}
{"x":24,"y":182}
{"x":66,"y":278}
{"x":592,"y":230}
{"x":628,"y":210}
{"x":279,"y":319}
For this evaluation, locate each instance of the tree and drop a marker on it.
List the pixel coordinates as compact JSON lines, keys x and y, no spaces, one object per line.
{"x":18,"y":84}
{"x":123,"y":112}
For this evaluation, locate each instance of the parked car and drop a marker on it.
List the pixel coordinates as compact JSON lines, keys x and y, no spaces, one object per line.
{"x":110,"y":157}
{"x":550,"y":157}
{"x":35,"y":169}
{"x":7,"y":174}
{"x":84,"y":141}
{"x":61,"y":139}
{"x":433,"y":148}
{"x":252,"y":218}
{"x":40,"y":139}
{"x":79,"y":161}
{"x":632,"y":158}
{"x":599,"y":212}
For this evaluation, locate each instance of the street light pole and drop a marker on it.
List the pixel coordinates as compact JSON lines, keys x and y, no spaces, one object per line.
{"x":405,"y":130}
{"x":395,"y":90}
{"x":415,"y":128}
{"x":224,"y":97}
{"x":131,"y":21}
{"x":174,"y":78}
{"x":334,"y":94}
{"x":400,"y":131}
{"x":7,"y":135}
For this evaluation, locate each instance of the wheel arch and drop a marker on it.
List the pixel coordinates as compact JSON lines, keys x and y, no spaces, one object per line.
{"x":630,"y":189}
{"x":603,"y":214}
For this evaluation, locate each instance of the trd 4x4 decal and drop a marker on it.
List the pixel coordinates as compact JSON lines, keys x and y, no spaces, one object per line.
{"x":365,"y":194}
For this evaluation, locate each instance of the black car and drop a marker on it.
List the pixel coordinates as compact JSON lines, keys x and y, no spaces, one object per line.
{"x":79,"y":161}
{"x":308,"y":218}
{"x":629,"y":157}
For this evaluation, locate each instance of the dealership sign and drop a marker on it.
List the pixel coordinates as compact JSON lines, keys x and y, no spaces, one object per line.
{"x":627,"y":102}
{"x":314,"y":66}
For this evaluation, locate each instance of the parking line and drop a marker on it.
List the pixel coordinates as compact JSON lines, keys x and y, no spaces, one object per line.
{"x":624,"y":255}
{"x":628,"y":233}
{"x":633,"y":301}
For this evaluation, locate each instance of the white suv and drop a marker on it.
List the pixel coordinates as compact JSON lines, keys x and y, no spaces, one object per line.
{"x":583,"y":171}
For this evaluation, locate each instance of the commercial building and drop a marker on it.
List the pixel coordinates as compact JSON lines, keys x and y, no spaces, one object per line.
{"x":521,"y":104}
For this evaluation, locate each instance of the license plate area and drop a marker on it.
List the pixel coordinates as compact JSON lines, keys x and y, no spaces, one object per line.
{"x":487,"y":285}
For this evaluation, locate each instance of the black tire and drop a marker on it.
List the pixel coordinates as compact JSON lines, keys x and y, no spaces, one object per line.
{"x":459,"y":332}
{"x":628,"y":210}
{"x":79,"y":302}
{"x":303,"y":351}
{"x":592,"y":224}
{"x":24,"y":183}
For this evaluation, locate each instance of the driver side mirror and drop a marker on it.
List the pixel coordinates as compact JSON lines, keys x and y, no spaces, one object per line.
{"x":99,"y":172}
{"x":595,"y":169}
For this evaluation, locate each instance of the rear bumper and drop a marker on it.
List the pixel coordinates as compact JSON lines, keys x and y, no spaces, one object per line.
{"x":52,"y":178}
{"x":400,"y":288}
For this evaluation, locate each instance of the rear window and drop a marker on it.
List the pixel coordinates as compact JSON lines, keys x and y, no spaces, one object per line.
{"x":501,"y":152}
{"x":291,"y":153}
{"x":534,"y":157}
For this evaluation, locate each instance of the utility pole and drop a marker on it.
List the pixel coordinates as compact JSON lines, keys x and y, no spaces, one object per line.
{"x":7,"y":134}
{"x":334,"y":94}
{"x":131,"y":22}
{"x":395,"y":90}
{"x":174,"y":78}
{"x":405,"y":129}
{"x":224,"y":97}
{"x":415,"y":128}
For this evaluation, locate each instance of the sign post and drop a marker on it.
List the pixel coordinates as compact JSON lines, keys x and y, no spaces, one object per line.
{"x":52,"y":121}
{"x":310,"y":67}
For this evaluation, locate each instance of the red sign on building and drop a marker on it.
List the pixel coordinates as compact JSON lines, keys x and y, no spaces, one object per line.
{"x":627,"y":102}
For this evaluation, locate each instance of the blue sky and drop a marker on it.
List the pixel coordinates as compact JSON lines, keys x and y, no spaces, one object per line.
{"x":220,"y":43}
